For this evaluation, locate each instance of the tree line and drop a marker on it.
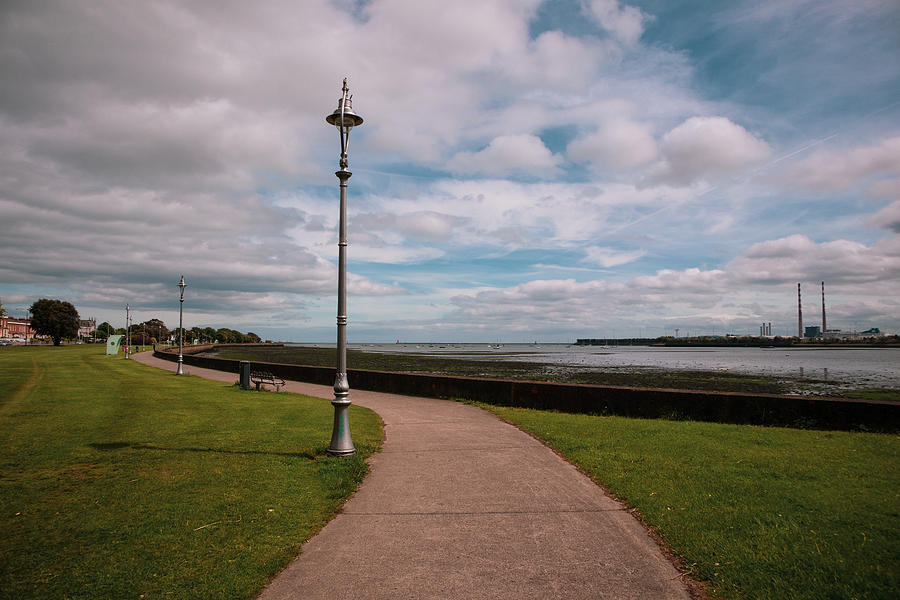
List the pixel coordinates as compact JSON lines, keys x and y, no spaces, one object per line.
{"x":59,"y":320}
{"x":155,"y":331}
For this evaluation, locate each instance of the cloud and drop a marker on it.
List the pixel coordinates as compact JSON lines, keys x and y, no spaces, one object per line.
{"x":758,"y":284}
{"x":559,"y":63}
{"x":885,"y":188}
{"x":888,"y":217}
{"x":427,"y":224}
{"x":832,"y":170}
{"x":620,"y":144}
{"x":610,"y":257}
{"x":798,"y":258}
{"x":146,"y":139}
{"x":625,"y":23}
{"x":703,"y":147}
{"x":508,"y":154}
{"x":507,"y":215}
{"x":376,"y":250}
{"x":586,"y":306}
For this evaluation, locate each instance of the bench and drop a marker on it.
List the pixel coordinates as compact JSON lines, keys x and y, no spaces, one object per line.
{"x":265,"y":378}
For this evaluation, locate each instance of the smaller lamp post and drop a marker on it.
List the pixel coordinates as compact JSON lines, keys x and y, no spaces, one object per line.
{"x":180,"y":370}
{"x":127,"y":330}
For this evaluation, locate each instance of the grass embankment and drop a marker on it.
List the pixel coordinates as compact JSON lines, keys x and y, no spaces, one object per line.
{"x":122,"y":481}
{"x":757,"y":512}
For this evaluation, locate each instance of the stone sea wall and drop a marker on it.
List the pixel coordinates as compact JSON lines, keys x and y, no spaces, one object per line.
{"x":721,"y":407}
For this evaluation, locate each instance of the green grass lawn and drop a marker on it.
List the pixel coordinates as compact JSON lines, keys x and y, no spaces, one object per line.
{"x":118,"y":480}
{"x":757,"y":512}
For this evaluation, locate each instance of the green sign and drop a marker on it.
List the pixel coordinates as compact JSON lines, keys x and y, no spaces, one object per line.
{"x":113,"y":343}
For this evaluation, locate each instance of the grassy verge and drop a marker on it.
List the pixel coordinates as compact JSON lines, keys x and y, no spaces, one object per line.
{"x":878,"y":394}
{"x":757,"y":512}
{"x":122,"y":481}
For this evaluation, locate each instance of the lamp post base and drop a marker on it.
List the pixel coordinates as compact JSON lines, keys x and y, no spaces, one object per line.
{"x":180,"y":369}
{"x":341,"y":443}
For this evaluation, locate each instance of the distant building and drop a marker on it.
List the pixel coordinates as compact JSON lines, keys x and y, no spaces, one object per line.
{"x":812,"y":331}
{"x":87,"y":328}
{"x":837,"y":334}
{"x":11,"y":327}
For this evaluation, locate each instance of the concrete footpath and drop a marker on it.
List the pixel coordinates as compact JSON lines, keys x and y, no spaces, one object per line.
{"x":460,"y":504}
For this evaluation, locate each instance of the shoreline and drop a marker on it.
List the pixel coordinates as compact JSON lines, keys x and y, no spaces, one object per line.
{"x":452,"y":361}
{"x":715,"y":405}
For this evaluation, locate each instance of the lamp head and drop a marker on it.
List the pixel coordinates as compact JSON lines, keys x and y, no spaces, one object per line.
{"x":344,"y":111}
{"x":351,"y":119}
{"x":182,"y":284}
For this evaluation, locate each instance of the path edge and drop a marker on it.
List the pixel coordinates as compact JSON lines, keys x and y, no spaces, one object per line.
{"x":696,"y":588}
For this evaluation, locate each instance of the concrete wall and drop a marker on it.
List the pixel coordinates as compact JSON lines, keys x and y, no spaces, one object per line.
{"x":722,"y":407}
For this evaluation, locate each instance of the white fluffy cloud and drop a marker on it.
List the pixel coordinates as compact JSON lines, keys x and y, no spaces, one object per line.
{"x":513,"y":215}
{"x":508,"y":154}
{"x":798,"y":258}
{"x":620,"y":144}
{"x":704,"y":147}
{"x":625,"y":23}
{"x":837,"y":169}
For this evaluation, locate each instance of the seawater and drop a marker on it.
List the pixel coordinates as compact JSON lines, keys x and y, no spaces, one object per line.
{"x":839,"y":367}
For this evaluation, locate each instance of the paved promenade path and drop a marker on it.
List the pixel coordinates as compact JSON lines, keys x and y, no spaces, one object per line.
{"x":459,"y":504}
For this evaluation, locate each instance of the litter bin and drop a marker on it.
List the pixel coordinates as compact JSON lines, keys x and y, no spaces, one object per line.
{"x":245,"y":374}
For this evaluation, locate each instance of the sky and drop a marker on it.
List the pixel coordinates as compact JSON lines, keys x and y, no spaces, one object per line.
{"x":527,"y":170}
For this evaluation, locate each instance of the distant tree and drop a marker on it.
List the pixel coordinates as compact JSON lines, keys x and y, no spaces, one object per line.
{"x":209,"y":334}
{"x":105,"y":330}
{"x":179,"y":332}
{"x":156,"y":328}
{"x":252,"y":338}
{"x":54,"y":318}
{"x":226,"y":336}
{"x":2,"y":310}
{"x":138,"y":333}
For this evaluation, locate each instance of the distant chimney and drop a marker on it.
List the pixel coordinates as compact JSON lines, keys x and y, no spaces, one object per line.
{"x":823,"y":310}
{"x":799,"y":314}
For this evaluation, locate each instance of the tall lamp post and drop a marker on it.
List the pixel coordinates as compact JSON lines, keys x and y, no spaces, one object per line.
{"x":180,"y":370}
{"x":127,"y":331}
{"x":341,"y":444}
